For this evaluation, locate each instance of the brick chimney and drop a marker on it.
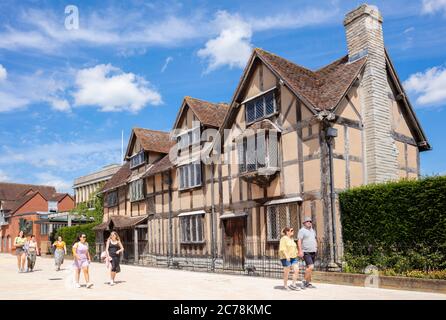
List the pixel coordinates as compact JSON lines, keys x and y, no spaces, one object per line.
{"x":363,"y":27}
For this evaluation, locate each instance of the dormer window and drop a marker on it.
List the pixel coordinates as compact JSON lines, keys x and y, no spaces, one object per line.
{"x":188,"y":138}
{"x":137,"y":160}
{"x":260,"y":107}
{"x":52,"y":206}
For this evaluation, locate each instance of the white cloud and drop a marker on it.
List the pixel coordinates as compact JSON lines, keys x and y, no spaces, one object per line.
{"x":49,"y":179}
{"x":292,"y":20}
{"x":43,"y":30}
{"x":69,"y":156}
{"x":433,"y":6}
{"x":168,"y":60}
{"x":10,"y":102}
{"x":113,"y":90}
{"x":3,"y":73}
{"x":232,"y":46}
{"x":20,"y":91}
{"x":60,"y":104}
{"x":4,"y":177}
{"x":429,"y":86}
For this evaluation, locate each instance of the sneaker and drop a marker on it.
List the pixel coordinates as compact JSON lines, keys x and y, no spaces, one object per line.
{"x":309,"y":285}
{"x":89,"y":285}
{"x":294,"y":287}
{"x":78,"y":285}
{"x":112,"y":283}
{"x":285,"y":288}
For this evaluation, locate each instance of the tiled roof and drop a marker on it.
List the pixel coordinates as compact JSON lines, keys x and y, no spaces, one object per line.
{"x":208,"y":113}
{"x":160,"y":166}
{"x":323,"y":88}
{"x":153,"y":140}
{"x":118,"y":179}
{"x":19,"y":203}
{"x":121,"y":222}
{"x":15,"y":191}
{"x":58,"y":196}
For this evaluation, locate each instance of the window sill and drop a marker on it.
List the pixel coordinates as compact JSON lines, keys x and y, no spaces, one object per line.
{"x":137,"y":200}
{"x":137,"y":166}
{"x":191,"y":188}
{"x":110,"y":206}
{"x":266,"y":171}
{"x":192,"y":243}
{"x":263,"y":118}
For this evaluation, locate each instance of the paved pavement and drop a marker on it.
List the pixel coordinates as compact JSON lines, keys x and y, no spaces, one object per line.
{"x":136,"y":282}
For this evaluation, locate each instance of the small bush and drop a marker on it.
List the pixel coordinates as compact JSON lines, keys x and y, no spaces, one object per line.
{"x":69,"y":235}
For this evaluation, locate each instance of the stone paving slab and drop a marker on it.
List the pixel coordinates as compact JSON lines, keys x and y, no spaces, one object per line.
{"x":135,"y":282}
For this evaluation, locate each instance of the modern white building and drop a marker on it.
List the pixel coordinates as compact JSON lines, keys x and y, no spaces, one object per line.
{"x":86,"y":185}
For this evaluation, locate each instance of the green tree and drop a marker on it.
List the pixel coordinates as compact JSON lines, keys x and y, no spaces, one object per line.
{"x":93,"y":208}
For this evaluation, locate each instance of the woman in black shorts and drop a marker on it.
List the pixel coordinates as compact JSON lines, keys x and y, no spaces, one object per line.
{"x":113,"y":250}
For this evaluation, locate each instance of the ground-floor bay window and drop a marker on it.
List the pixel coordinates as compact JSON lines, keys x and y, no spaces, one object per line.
{"x":191,"y":227}
{"x":280,"y":216}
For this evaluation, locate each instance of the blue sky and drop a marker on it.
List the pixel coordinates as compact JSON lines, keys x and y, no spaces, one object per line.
{"x":66,"y":92}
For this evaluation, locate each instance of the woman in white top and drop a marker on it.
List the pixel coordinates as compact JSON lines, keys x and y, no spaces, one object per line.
{"x":32,"y":252}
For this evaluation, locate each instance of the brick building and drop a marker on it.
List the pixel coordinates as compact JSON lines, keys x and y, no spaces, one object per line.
{"x":26,"y":207}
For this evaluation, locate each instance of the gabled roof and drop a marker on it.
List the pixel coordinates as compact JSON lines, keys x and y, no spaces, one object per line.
{"x":151,"y":140}
{"x":14,"y":191}
{"x":118,"y":179}
{"x":160,"y":166}
{"x":318,"y":90}
{"x":323,"y":88}
{"x":409,"y":114}
{"x":59,"y":197}
{"x":22,"y":201}
{"x":208,"y":113}
{"x":121,"y":222}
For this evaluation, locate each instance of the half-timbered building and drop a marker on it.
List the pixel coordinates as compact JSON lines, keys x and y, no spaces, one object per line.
{"x":289,"y":141}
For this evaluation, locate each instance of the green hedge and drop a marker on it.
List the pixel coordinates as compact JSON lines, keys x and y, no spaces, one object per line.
{"x":396,"y":225}
{"x":69,"y":235}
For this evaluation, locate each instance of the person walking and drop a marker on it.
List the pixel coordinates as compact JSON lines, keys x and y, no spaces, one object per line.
{"x":19,"y":244}
{"x":32,"y":251}
{"x":288,"y":257}
{"x":113,"y":249}
{"x":82,"y":260}
{"x":59,"y":252}
{"x":307,"y":244}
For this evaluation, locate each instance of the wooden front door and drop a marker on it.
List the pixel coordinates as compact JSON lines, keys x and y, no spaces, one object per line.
{"x":234,"y":236}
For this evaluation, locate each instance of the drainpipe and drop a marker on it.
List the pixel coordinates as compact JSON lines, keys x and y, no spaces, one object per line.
{"x":325,"y":117}
{"x":212,"y":218}
{"x":331,"y":133}
{"x":170,"y":254}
